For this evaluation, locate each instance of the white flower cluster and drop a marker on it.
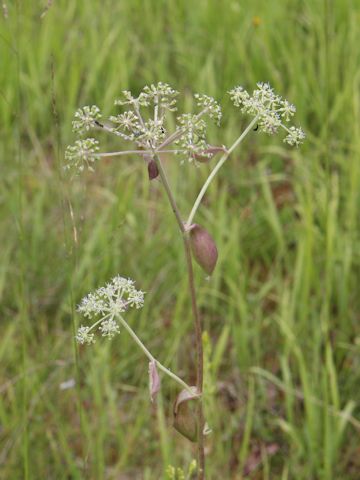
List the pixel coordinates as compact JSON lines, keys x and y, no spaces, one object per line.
{"x":146,"y":135}
{"x":85,"y":118}
{"x":295,"y":136}
{"x":133,"y":125}
{"x":151,"y":132}
{"x":143,"y":123}
{"x":128,"y":99}
{"x":108,"y":302}
{"x":82,"y":154}
{"x":162,"y":95}
{"x":192,"y":141}
{"x":271,"y":110}
{"x":84,"y":335}
{"x":126,"y":121}
{"x":210,"y":105}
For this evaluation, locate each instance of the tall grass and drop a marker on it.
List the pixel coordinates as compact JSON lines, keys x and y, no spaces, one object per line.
{"x":282,"y":309}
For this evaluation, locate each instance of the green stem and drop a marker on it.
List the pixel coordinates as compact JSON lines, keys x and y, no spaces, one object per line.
{"x":169,"y":193}
{"x":216,"y":169}
{"x":197,"y":320}
{"x":135,"y":152}
{"x":152,"y":358}
{"x":199,"y":359}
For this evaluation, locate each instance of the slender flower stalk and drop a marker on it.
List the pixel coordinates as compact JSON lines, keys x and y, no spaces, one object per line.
{"x":108,"y":303}
{"x":152,"y":358}
{"x":169,"y":193}
{"x":143,"y":153}
{"x":199,"y":358}
{"x":216,"y":169}
{"x":197,"y":321}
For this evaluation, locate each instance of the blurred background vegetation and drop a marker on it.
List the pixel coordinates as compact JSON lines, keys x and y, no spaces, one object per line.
{"x":281,"y":311}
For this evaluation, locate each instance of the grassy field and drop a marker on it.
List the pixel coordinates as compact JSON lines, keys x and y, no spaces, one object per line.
{"x":282,"y":309}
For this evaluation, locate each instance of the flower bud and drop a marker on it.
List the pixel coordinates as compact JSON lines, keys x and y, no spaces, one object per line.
{"x":184,"y":414}
{"x":154,"y":380}
{"x":203,"y":248}
{"x":152,"y":170}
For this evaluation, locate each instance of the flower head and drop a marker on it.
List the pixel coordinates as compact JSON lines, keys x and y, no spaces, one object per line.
{"x":193,"y":138}
{"x":85,"y":118}
{"x":295,"y":136}
{"x":153,"y":132}
{"x":162,"y":95}
{"x":109,"y":328}
{"x":270,"y":109}
{"x":287,"y":110}
{"x":84,"y":336}
{"x":108,"y":302}
{"x":127,"y":121}
{"x":112,"y":299}
{"x":211,"y":106}
{"x":129,"y":99}
{"x":137,"y":125}
{"x":82,"y":154}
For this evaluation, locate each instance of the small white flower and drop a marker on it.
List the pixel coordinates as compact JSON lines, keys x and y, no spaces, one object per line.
{"x":85,"y":118}
{"x":91,"y":305}
{"x":84,"y":336}
{"x":162,"y":95}
{"x":136,"y":298}
{"x":82,"y":154}
{"x":287,"y":110}
{"x":128,"y":121}
{"x":193,"y":139}
{"x":109,"y":328}
{"x":269,"y":122}
{"x":153,"y":132}
{"x":295,"y":137}
{"x":211,"y":105}
{"x":239,"y":96}
{"x":129,"y":99}
{"x":266,"y":96}
{"x":122,"y":283}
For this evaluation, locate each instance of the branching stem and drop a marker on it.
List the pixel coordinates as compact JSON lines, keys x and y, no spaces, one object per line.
{"x":135,"y":152}
{"x":152,"y":358}
{"x":217,"y":168}
{"x":197,"y":319}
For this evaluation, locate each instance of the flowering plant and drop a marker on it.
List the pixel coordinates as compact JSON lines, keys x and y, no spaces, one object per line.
{"x":143,"y":122}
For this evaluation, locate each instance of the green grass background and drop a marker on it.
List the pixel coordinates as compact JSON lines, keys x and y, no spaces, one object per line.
{"x":282,"y":309}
